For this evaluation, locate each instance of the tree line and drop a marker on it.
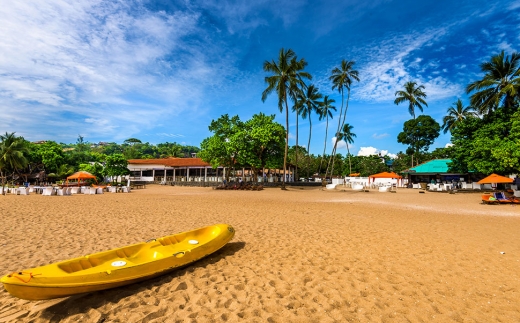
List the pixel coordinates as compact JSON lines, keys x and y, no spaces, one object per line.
{"x":485,"y":134}
{"x":19,"y":158}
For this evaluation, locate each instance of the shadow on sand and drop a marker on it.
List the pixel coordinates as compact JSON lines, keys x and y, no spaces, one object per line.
{"x":65,"y":307}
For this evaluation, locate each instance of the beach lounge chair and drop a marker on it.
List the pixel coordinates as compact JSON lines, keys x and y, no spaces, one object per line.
{"x":501,"y":197}
{"x":489,"y":199}
{"x":59,"y":192}
{"x":99,"y":190}
{"x":74,"y":190}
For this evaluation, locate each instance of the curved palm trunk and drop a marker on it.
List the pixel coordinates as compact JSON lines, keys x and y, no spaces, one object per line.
{"x":309,"y":147}
{"x":414,"y":139}
{"x":3,"y":182}
{"x":286,"y":142}
{"x":349,"y":163}
{"x":324,"y":145}
{"x":296,"y":149}
{"x":342,"y":124}
{"x":333,"y":153}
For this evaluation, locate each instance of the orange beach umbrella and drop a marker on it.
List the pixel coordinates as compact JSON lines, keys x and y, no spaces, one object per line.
{"x":81,"y":175}
{"x":494,"y":178}
{"x":385,"y":175}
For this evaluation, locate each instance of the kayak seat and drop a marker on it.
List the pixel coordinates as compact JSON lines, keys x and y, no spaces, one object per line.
{"x":77,"y":265}
{"x":129,"y":251}
{"x":165,"y":241}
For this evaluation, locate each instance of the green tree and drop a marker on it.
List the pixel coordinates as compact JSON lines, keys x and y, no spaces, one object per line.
{"x":309,"y":101}
{"x":348,"y":136}
{"x":64,"y":170}
{"x":488,"y":145}
{"x":219,"y":150}
{"x":456,"y":115}
{"x":116,"y":165}
{"x":500,"y":84}
{"x":286,"y":80}
{"x":260,"y":142}
{"x":131,"y":148}
{"x":52,"y":156}
{"x":170,"y":150}
{"x":325,"y":111}
{"x":412,"y":94}
{"x":419,"y":133}
{"x":12,"y":154}
{"x":95,"y":169}
{"x":341,"y":79}
{"x":296,"y":155}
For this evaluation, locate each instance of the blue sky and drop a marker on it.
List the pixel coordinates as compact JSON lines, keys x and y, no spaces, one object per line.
{"x":162,"y":70}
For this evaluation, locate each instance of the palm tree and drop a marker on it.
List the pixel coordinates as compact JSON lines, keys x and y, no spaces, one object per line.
{"x":310,"y":102}
{"x":341,"y":79}
{"x":414,"y":95}
{"x":286,"y":80}
{"x":456,"y":115}
{"x":348,"y":136}
{"x":12,"y":150}
{"x":326,"y":112}
{"x":500,"y":84}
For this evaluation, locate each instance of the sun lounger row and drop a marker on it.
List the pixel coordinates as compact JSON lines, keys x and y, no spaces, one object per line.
{"x":499,"y":198}
{"x":52,"y":190}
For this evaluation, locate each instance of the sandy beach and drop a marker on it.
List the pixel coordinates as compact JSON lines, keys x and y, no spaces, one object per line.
{"x":302,"y":255}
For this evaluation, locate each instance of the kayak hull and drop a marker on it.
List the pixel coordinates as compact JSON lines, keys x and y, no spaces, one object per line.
{"x":117,"y":267}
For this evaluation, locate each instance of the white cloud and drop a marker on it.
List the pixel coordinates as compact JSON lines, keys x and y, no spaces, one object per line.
{"x":506,"y":47}
{"x":387,"y":68}
{"x":449,"y":144}
{"x":380,"y":136}
{"x":369,"y":151}
{"x":95,"y":61}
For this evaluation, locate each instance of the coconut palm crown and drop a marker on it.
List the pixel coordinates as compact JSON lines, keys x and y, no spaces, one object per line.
{"x":412,"y":94}
{"x":500,"y":84}
{"x":456,"y":114}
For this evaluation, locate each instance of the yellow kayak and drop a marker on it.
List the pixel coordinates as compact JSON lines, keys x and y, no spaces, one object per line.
{"x":117,"y":267}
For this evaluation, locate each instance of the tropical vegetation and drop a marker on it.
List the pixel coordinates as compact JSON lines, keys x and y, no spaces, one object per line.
{"x":485,"y":133}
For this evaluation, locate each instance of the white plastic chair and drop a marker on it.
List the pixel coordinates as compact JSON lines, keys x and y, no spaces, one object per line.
{"x":23,"y":191}
{"x":112,"y":189}
{"x":99,"y":190}
{"x":125,"y":189}
{"x":48,"y":191}
{"x":74,"y":190}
